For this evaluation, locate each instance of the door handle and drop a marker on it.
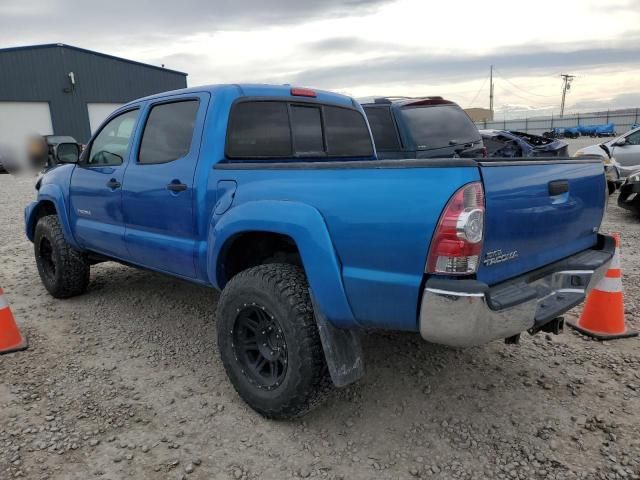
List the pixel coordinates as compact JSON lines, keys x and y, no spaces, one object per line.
{"x":113,"y":184}
{"x":558,"y":187}
{"x":176,"y":187}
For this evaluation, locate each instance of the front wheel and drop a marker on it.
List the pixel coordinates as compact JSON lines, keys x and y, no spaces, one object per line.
{"x":269,"y":341}
{"x":63,"y":270}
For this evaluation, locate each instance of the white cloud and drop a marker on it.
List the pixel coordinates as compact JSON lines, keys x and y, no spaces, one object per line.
{"x":362,"y":47}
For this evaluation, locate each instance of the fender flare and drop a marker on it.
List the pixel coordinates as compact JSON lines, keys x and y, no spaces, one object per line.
{"x":52,"y":193}
{"x":306,"y":226}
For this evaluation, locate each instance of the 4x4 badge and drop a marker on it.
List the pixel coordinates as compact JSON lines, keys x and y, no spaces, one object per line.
{"x":496,"y":256}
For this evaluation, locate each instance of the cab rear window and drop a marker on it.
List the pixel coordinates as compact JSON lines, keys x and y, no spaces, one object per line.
{"x":280,"y":129}
{"x":259,"y":129}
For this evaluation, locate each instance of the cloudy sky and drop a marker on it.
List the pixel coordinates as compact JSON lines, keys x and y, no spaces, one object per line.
{"x":366,"y":47}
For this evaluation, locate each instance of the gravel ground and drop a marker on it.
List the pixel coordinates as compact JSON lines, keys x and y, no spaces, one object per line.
{"x":125,"y":382}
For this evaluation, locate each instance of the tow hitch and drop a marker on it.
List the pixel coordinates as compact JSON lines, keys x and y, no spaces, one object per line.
{"x":555,"y":326}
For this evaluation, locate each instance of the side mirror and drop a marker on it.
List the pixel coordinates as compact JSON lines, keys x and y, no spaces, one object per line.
{"x":67,"y":153}
{"x":621,"y":142}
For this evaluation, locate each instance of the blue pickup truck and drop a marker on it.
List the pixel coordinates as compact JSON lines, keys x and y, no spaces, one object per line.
{"x":275,"y":196}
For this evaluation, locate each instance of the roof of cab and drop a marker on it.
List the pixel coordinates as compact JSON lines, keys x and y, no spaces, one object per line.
{"x":405,"y":101}
{"x":252,"y":90}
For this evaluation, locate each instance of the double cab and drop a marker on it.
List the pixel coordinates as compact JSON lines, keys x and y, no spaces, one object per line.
{"x":276,"y":196}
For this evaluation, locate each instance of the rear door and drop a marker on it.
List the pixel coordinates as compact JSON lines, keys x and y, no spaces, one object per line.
{"x":538,"y":212}
{"x":95,"y":188}
{"x":158,"y":185}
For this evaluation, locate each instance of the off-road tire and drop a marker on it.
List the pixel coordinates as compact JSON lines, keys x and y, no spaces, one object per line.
{"x":282,"y":290}
{"x":70,"y":273}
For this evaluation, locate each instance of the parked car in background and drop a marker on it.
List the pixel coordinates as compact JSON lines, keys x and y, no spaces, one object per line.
{"x":428,"y":127}
{"x":274,"y":195}
{"x":3,"y":156}
{"x":514,"y":144}
{"x":625,"y":149}
{"x":629,"y":197}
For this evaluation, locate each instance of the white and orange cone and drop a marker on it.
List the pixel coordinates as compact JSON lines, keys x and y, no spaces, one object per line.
{"x":603,"y":314}
{"x":11,"y":340}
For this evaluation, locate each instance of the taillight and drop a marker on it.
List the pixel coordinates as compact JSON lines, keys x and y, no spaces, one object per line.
{"x":457,"y":241}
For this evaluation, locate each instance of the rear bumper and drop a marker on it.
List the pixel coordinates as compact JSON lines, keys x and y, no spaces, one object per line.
{"x":629,"y":197}
{"x":465,"y":313}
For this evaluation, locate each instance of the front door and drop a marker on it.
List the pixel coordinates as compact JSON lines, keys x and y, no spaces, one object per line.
{"x":95,"y":189}
{"x":158,"y":186}
{"x":628,"y":155}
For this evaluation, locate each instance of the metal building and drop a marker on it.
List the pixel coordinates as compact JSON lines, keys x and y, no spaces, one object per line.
{"x":63,"y":90}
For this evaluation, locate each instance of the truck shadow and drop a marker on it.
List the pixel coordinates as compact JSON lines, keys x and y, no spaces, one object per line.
{"x":407,"y":380}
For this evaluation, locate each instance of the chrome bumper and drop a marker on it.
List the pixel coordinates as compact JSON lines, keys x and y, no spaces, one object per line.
{"x":450,"y":316}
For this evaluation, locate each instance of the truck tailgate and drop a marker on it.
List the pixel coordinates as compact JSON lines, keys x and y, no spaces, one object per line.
{"x":538,"y":212}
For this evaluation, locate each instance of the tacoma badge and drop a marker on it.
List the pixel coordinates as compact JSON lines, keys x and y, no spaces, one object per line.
{"x":496,"y":256}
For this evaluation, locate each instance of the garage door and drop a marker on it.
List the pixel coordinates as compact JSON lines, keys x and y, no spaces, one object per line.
{"x":98,"y":112}
{"x":19,"y":120}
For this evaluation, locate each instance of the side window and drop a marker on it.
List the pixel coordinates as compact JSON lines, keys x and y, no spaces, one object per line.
{"x":383,"y":129}
{"x":347,"y":133}
{"x":110,"y":145}
{"x":259,"y":130}
{"x":634,"y":138}
{"x":168,"y":132}
{"x":306,"y":123}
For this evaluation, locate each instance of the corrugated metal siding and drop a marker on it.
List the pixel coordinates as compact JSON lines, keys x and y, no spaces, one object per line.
{"x":40,"y":74}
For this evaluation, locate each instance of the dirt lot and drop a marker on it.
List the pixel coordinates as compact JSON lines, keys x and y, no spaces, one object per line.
{"x":125,"y":382}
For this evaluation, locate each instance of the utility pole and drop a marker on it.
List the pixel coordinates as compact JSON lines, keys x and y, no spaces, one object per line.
{"x":491,"y":91}
{"x":566,"y":85}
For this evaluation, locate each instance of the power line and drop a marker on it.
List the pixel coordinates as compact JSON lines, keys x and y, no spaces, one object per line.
{"x":522,"y":89}
{"x":478,"y":93}
{"x":537,"y":102}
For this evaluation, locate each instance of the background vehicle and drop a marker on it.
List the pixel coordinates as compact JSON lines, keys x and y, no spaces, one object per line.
{"x":629,"y":197}
{"x":513,"y":144}
{"x":274,"y":195}
{"x":3,"y":154}
{"x":52,"y":144}
{"x":428,"y":127}
{"x":625,"y":149}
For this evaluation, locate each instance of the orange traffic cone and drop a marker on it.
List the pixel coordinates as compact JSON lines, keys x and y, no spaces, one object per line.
{"x":603,"y":314}
{"x":11,"y":340}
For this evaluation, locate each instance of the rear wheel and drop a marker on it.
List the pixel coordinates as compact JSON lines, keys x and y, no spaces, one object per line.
{"x":269,"y":341}
{"x":63,"y":270}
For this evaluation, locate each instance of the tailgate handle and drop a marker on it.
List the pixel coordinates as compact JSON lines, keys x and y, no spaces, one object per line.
{"x":558,"y":187}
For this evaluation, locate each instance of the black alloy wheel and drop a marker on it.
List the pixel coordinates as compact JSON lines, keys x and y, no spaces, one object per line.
{"x":260,"y":346}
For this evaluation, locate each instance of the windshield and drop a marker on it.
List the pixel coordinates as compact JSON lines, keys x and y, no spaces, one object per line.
{"x":439,"y":126}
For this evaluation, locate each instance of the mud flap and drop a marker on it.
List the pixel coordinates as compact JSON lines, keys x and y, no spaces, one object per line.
{"x":342,"y":350}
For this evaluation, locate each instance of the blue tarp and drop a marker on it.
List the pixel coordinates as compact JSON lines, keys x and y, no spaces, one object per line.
{"x":606,"y":129}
